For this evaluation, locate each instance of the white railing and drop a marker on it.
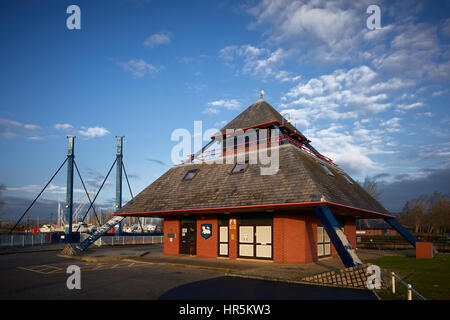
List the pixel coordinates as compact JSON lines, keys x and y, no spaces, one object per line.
{"x":24,"y":240}
{"x":41,"y":239}
{"x":408,"y":286}
{"x":125,"y":240}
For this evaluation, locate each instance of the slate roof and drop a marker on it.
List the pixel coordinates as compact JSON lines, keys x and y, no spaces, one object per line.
{"x":300,"y":179}
{"x":258,"y":113}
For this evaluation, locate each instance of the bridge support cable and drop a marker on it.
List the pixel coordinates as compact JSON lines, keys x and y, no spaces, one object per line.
{"x":51,"y":179}
{"x":131,"y":193}
{"x":87,"y":193}
{"x":100,"y":189}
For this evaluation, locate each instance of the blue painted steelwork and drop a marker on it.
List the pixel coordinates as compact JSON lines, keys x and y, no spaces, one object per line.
{"x":69,"y":189}
{"x":118,"y":230}
{"x":345,"y":250}
{"x":100,"y":232}
{"x":402,"y":230}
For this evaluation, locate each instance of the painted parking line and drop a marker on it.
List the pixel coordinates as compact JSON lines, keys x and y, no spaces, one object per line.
{"x":51,"y":269}
{"x":43,"y":269}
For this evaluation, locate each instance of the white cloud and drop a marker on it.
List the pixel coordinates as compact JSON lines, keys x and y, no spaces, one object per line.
{"x":231,"y":104}
{"x":211,"y":111}
{"x":7,"y":128}
{"x":214,"y":107}
{"x":324,"y":29}
{"x":63,"y":126}
{"x":158,"y":39}
{"x":410,"y":106}
{"x":259,"y":62}
{"x":391,"y":125}
{"x":93,"y":132}
{"x":343,"y":94}
{"x":139,"y":67}
{"x":53,"y":189}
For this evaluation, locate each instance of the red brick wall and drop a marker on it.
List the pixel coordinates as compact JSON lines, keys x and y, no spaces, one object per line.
{"x":350,"y":230}
{"x":208,"y":248}
{"x":294,"y":238}
{"x":171,"y":225}
{"x":232,"y":239}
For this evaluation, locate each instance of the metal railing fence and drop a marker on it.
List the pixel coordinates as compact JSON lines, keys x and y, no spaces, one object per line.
{"x":408,"y":286}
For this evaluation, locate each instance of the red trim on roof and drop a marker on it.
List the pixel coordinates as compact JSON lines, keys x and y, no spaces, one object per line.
{"x":265,"y":124}
{"x":275,"y":205}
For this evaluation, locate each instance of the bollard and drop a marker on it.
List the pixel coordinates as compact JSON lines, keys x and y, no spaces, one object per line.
{"x":393,"y":283}
{"x":409,"y":292}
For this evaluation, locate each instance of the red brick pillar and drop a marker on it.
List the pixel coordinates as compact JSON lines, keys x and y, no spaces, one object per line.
{"x":424,"y":250}
{"x":171,"y":236}
{"x":350,"y":230}
{"x":232,"y":237}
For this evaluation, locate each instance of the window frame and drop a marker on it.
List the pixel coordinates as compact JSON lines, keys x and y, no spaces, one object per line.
{"x":239,"y":163}
{"x":194,"y":171}
{"x":326,"y":169}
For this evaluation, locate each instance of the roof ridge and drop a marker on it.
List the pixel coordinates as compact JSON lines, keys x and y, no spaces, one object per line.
{"x":260,"y":112}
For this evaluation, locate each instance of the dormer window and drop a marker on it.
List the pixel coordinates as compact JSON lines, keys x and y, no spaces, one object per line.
{"x":190,"y":174}
{"x":326,"y":169}
{"x":346,"y":178}
{"x":240,"y":167}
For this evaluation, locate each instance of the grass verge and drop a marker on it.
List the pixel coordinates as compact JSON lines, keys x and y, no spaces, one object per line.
{"x":430,"y":277}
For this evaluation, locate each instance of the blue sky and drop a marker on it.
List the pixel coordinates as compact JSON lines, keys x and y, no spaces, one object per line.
{"x":375,"y":101}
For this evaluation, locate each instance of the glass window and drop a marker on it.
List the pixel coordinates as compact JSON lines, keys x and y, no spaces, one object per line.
{"x":190,"y":174}
{"x":326,"y":169}
{"x":346,"y":178}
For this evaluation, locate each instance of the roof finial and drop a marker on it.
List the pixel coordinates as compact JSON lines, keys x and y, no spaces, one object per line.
{"x":262,"y":95}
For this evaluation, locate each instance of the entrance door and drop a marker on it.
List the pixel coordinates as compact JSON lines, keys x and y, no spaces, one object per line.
{"x":246,"y":241}
{"x":188,"y":238}
{"x":223,"y":241}
{"x":255,"y":242}
{"x":263,"y":237}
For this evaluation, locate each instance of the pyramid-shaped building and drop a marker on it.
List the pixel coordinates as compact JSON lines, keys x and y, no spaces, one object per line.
{"x":221,"y":203}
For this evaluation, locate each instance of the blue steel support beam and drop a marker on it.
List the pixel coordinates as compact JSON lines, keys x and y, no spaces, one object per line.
{"x":343,"y":247}
{"x":118,"y":230}
{"x":69,"y":190}
{"x":402,"y":230}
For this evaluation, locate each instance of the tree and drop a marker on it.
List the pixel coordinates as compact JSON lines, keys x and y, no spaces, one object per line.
{"x":430,"y":214}
{"x":370,"y":184}
{"x":440,"y":215}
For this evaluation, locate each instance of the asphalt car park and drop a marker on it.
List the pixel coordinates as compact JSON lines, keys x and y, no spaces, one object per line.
{"x":43,"y":275}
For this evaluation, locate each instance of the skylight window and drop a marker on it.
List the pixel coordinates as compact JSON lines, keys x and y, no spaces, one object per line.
{"x":326,"y":169}
{"x":240,"y":167}
{"x":346,"y":178}
{"x":190,"y":174}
